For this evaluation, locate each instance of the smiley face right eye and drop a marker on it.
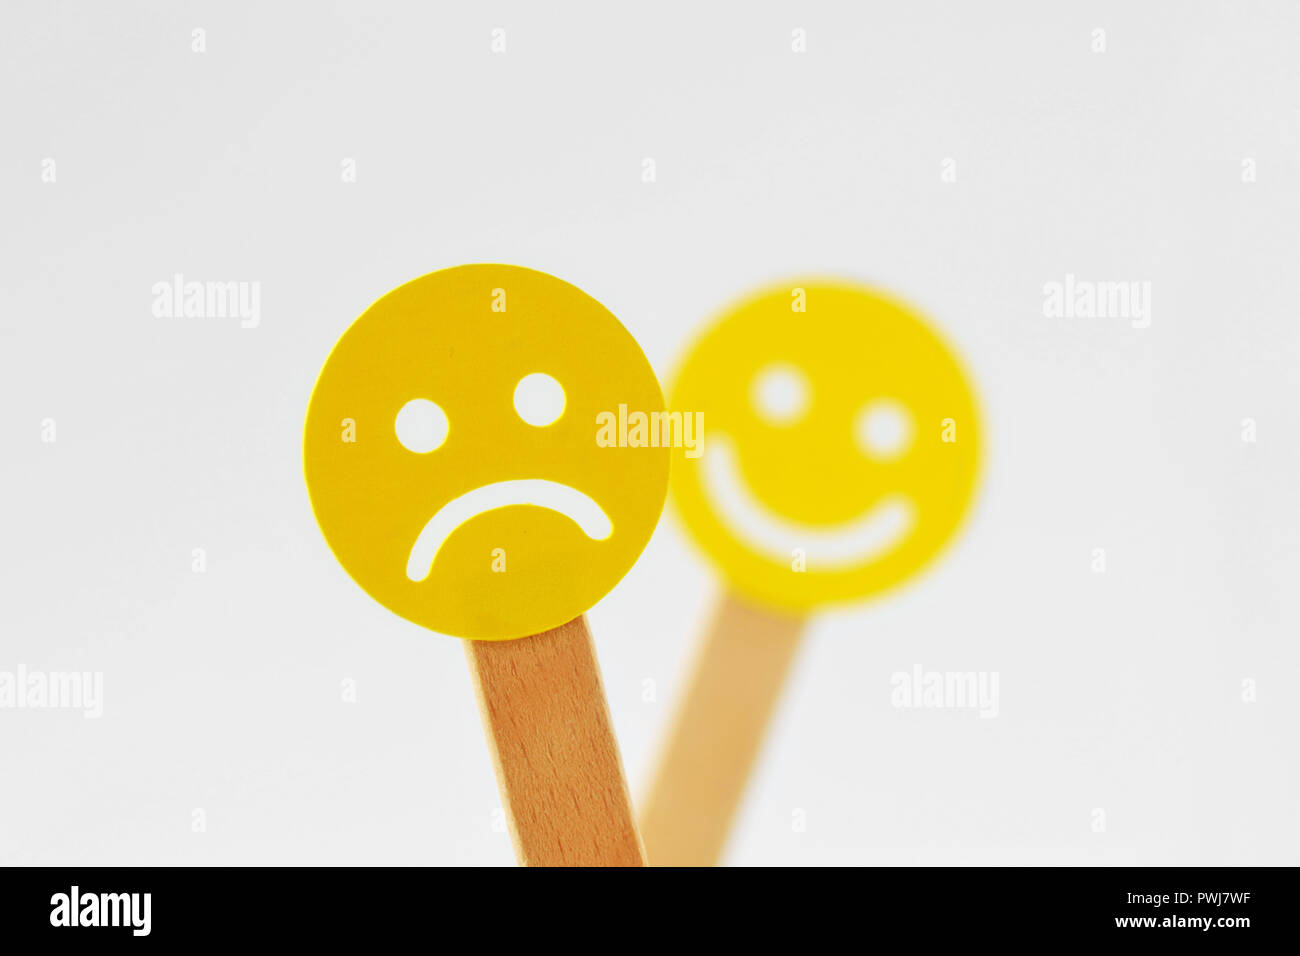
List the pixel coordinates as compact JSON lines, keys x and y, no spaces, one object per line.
{"x":883,"y":429}
{"x":421,"y":426}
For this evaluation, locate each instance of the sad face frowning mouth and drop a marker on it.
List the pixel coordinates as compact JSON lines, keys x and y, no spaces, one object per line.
{"x":474,"y":499}
{"x":560,"y":498}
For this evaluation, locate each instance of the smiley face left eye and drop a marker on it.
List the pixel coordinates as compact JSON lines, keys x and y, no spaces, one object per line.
{"x":883,"y":429}
{"x":780,"y":394}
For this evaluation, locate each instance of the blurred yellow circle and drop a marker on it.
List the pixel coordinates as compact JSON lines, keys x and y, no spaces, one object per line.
{"x":840,"y":446}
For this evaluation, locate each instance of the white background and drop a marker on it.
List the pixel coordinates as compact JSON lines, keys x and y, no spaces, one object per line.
{"x":1120,"y":691}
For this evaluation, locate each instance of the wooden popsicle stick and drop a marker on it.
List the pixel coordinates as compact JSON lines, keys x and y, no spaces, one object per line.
{"x":557,"y":763}
{"x":717,"y":732}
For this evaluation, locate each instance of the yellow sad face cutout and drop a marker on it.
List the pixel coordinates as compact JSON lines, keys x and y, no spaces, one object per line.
{"x":452,"y":459}
{"x":840,"y":444}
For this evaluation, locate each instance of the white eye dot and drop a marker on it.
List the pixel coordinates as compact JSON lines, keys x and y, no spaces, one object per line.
{"x":883,"y":428}
{"x":421,"y":425}
{"x":781,"y":394}
{"x":539,"y":399}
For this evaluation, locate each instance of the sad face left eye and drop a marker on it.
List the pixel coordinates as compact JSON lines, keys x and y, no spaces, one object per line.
{"x":421,"y":426}
{"x":883,"y":429}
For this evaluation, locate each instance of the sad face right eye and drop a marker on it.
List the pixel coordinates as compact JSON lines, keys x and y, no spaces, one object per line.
{"x":421,"y":426}
{"x":539,"y":399}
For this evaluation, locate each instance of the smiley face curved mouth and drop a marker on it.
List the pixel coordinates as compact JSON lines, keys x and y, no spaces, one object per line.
{"x":565,"y":499}
{"x":864,"y":539}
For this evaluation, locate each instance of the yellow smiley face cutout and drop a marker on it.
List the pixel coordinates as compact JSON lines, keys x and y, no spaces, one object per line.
{"x":452,"y":457}
{"x":840,"y":444}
